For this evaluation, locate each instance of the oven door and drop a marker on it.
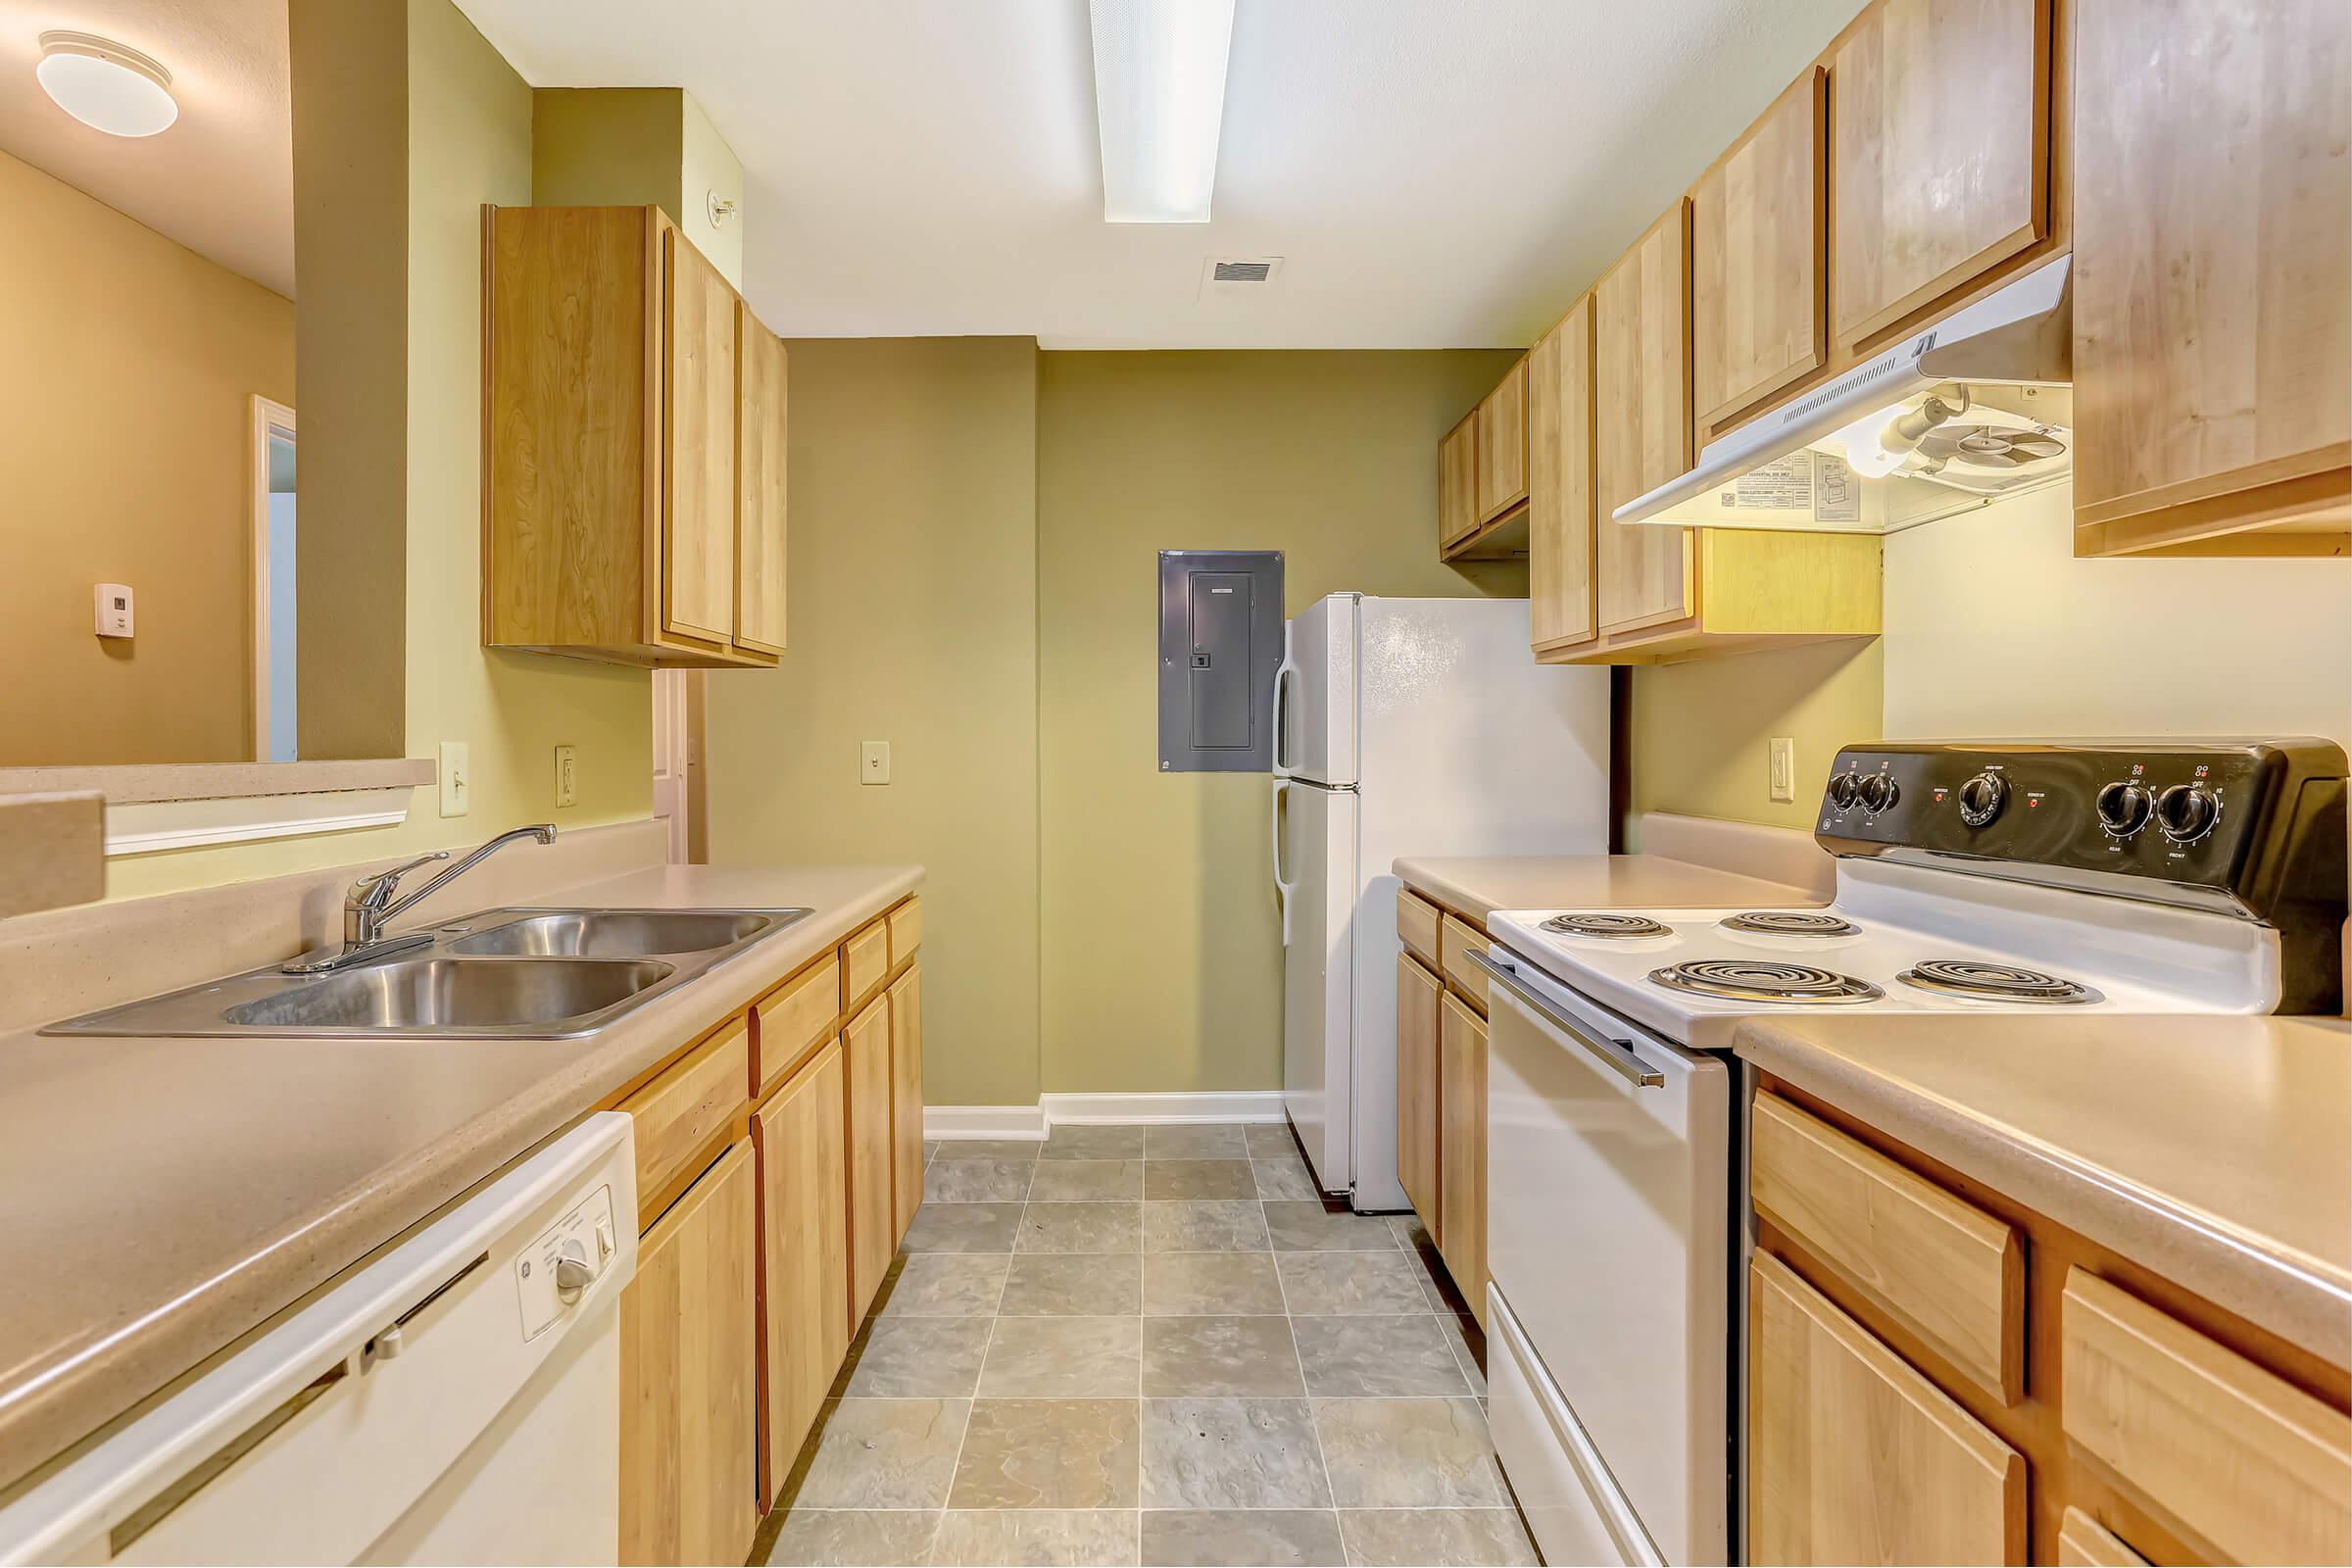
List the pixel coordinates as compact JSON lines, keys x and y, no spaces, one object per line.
{"x":1608,"y":1213}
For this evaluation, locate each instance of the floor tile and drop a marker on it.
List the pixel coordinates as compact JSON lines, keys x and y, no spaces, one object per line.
{"x":1408,"y":1454}
{"x":1079,"y":1181}
{"x":1092,"y":1142}
{"x":1474,"y":1538}
{"x":1198,"y":1178}
{"x":1079,"y":1228}
{"x":1062,"y":1358}
{"x":1210,"y":1284}
{"x":1208,"y":1537}
{"x":1222,"y":1225}
{"x":1309,"y":1227}
{"x":1284,"y":1178}
{"x":989,"y":1149}
{"x":1380,"y":1356}
{"x":879,"y":1453}
{"x":1048,"y":1453}
{"x":1039,"y":1536}
{"x":962,"y":1227}
{"x":930,"y":1148}
{"x":1207,"y":1142}
{"x":1232,"y":1453}
{"x":1333,"y":1284}
{"x":911,"y":1357}
{"x":843,"y":1538}
{"x":943,"y":1285}
{"x":1462,"y":1331}
{"x":1270,"y":1140}
{"x":1221,"y":1355}
{"x":977,"y":1181}
{"x":1072,"y":1285}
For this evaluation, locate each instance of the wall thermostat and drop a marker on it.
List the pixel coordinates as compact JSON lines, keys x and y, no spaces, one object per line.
{"x":114,"y":609}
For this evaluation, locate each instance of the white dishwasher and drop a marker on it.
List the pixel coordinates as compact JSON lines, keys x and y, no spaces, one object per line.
{"x":455,"y":1398}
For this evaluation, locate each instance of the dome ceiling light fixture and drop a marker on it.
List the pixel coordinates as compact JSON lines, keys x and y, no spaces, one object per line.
{"x":106,"y":85}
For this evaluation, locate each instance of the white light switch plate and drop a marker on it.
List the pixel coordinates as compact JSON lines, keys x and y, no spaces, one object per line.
{"x":874,"y":762}
{"x":568,"y":775}
{"x":456,"y":779}
{"x":1784,"y":768}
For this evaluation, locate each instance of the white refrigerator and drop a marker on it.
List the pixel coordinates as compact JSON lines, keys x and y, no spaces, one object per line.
{"x":1404,"y":727}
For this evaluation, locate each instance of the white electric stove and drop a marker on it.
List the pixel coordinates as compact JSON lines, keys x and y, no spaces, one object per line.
{"x":2134,"y":877}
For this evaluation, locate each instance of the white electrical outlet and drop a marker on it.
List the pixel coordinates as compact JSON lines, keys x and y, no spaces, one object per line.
{"x":874,"y":762}
{"x":568,"y":775}
{"x":456,"y":779}
{"x":1783,"y":776}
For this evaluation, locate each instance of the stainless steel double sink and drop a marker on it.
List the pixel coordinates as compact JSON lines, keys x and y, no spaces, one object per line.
{"x":504,"y":974}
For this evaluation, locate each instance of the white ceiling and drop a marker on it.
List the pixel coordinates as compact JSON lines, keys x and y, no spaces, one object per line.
{"x":1435,"y":174}
{"x":220,"y":180}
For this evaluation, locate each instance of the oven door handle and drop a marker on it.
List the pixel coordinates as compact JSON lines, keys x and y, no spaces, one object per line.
{"x":1617,"y":1054}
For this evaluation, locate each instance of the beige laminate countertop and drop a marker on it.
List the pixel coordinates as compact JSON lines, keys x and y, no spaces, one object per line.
{"x":2216,"y":1152}
{"x":161,"y":1198}
{"x":1479,"y":885}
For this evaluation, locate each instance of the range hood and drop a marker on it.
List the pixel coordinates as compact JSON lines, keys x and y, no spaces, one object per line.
{"x":1972,"y":411}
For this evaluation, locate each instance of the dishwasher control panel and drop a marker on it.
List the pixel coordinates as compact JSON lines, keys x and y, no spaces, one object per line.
{"x":560,"y":1262}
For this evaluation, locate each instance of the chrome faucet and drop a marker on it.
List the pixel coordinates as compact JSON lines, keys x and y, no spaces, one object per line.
{"x":369,"y":907}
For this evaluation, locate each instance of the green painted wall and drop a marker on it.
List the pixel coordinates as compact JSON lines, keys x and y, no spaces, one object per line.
{"x":622,"y":146}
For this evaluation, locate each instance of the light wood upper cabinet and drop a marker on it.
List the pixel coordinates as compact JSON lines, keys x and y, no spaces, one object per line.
{"x":1642,"y":423}
{"x":873,"y":1236}
{"x":1503,"y":445}
{"x":1757,"y":227}
{"x":1940,"y":132}
{"x":1462,"y":1150}
{"x":689,"y":1343}
{"x":1559,"y":483}
{"x":1853,"y":1456}
{"x":2212,"y":287}
{"x":804,"y":1255}
{"x":697,"y":415}
{"x":1417,"y":1111}
{"x":1458,"y":481}
{"x":759,"y":428}
{"x":905,"y":1099}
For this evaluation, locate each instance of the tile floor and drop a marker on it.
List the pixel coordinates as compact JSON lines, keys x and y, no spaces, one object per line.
{"x":1134,"y":1345}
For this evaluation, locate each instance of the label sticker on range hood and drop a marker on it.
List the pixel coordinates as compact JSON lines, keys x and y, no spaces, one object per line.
{"x":1813,"y":484}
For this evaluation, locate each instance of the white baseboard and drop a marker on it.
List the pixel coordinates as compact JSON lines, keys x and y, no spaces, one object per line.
{"x":948,"y":1123}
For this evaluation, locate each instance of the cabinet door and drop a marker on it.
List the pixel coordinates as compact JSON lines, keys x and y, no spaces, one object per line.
{"x":698,"y":446}
{"x":1503,"y":445}
{"x":1852,"y":1456}
{"x":906,"y":1100}
{"x":865,"y":1055}
{"x":1559,"y":482}
{"x":805,"y":1252}
{"x":1756,"y":234}
{"x":1940,"y":151}
{"x":1417,"y":994}
{"x":1641,"y":424}
{"x":688,"y":1348}
{"x":760,"y":421}
{"x":2213,"y":293}
{"x":1462,"y":1150}
{"x":1458,"y":481}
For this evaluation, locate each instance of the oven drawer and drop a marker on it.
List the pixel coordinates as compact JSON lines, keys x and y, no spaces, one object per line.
{"x":1573,"y":1510}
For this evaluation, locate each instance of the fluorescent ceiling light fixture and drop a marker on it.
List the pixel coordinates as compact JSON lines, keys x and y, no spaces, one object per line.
{"x":105,"y":85}
{"x":1159,"y":98}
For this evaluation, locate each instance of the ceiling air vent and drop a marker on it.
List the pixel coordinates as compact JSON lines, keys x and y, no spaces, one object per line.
{"x":1239,"y":275}
{"x":1241,"y":271}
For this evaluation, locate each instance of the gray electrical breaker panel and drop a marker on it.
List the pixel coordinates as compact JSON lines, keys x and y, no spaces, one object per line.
{"x":1220,"y":642}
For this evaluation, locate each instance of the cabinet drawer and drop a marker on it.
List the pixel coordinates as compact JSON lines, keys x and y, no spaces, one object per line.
{"x":1417,"y":926}
{"x":2258,"y":1468}
{"x":906,"y":932}
{"x":2083,"y":1541}
{"x":864,"y":964}
{"x":685,"y":1110}
{"x":1945,"y":1268}
{"x":1455,"y":938}
{"x":795,"y":1018}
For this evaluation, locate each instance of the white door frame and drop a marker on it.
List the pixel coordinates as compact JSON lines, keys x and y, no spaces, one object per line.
{"x":268,"y":418}
{"x":674,"y":761}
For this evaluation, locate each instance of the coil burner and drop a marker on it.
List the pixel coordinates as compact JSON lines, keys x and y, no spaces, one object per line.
{"x":1752,"y":980}
{"x":1994,"y":982}
{"x":1606,"y":925}
{"x":1791,"y":924}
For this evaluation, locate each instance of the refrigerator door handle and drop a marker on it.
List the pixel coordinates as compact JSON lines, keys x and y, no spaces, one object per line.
{"x":1282,"y":889}
{"x":1283,"y":674}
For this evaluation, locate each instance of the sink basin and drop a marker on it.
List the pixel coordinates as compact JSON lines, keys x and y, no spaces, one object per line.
{"x":614,"y":934}
{"x":453,"y":994}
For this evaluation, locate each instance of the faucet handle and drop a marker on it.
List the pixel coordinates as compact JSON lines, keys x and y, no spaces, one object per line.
{"x":369,"y":889}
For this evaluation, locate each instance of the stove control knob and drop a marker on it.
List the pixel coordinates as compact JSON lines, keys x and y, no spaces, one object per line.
{"x":2124,"y":808}
{"x":1981,"y":799}
{"x":1843,"y":787}
{"x":1879,"y":791}
{"x":2186,"y":812}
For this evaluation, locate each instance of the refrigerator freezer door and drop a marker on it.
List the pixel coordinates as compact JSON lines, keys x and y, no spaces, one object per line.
{"x":1317,"y":695}
{"x":1316,"y":840}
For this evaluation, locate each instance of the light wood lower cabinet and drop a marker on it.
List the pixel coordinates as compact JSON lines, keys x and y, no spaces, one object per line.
{"x":873,"y":1234}
{"x":689,"y":1350}
{"x":804,"y":1255}
{"x":1853,"y":1456}
{"x":1419,"y":995}
{"x":905,"y":1099}
{"x":695,"y":1105}
{"x":1462,"y":1150}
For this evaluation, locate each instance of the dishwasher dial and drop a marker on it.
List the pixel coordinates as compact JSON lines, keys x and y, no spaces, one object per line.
{"x":574,"y":1272}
